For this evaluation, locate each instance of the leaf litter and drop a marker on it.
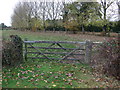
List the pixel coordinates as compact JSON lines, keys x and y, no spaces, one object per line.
{"x":57,"y":75}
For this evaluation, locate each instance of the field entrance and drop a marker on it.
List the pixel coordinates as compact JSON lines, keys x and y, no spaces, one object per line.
{"x":52,"y":74}
{"x":55,"y":50}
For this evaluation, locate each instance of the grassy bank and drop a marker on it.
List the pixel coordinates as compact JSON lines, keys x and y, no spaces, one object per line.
{"x":54,"y":75}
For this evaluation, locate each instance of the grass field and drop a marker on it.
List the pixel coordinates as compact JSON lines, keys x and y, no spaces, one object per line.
{"x":53,"y":36}
{"x":51,"y":74}
{"x":54,"y":75}
{"x":38,"y":36}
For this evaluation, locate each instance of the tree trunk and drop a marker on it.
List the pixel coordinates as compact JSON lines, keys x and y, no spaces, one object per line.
{"x":104,"y":27}
{"x":118,"y":10}
{"x":104,"y":17}
{"x":83,"y":30}
{"x":44,"y":19}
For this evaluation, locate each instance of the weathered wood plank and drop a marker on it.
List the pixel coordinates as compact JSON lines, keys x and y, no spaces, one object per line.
{"x":60,"y":46}
{"x":56,"y":53}
{"x":69,"y":53}
{"x":39,"y":52}
{"x":25,"y":50}
{"x":88,"y":52}
{"x":69,"y":42}
{"x":57,"y":48}
{"x":51,"y":58}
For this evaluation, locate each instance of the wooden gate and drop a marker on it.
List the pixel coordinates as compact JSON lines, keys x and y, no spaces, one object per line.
{"x":58,"y":50}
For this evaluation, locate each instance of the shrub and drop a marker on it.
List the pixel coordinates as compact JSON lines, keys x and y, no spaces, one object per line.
{"x":7,"y":52}
{"x":12,"y":51}
{"x":107,"y":58}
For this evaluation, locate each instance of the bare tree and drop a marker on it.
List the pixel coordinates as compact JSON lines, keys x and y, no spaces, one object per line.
{"x":43,"y":6}
{"x":105,"y":4}
{"x":27,"y":11}
{"x":54,"y":12}
{"x":22,"y":16}
{"x":19,"y":17}
{"x":118,"y":4}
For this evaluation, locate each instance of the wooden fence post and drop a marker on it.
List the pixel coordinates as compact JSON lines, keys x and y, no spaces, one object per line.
{"x":88,"y":51}
{"x":119,"y":38}
{"x":25,"y":55}
{"x":119,"y":44}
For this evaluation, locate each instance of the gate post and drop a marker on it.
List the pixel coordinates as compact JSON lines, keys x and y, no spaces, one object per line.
{"x":119,"y":39}
{"x":88,"y":51}
{"x":119,"y":44}
{"x":25,"y":55}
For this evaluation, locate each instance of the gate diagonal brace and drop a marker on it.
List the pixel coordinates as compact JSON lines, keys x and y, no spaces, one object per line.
{"x":76,"y":58}
{"x":39,"y":52}
{"x":60,"y":46}
{"x":50,"y":45}
{"x":69,"y":53}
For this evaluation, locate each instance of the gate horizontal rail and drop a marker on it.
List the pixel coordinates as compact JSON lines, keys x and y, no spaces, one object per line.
{"x":56,"y":48}
{"x":50,"y":58}
{"x":70,"y":42}
{"x":55,"y":53}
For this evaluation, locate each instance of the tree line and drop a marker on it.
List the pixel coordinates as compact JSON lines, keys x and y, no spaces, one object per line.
{"x":65,"y":16}
{"x":3,"y":26}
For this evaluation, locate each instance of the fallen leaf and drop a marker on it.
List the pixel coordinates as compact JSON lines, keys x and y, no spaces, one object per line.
{"x":46,"y":81}
{"x":17,"y":83}
{"x":52,"y":82}
{"x":54,"y":85}
{"x":69,"y":74}
{"x":18,"y":74}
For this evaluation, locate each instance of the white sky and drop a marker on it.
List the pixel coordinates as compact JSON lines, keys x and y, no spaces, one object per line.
{"x":6,"y":10}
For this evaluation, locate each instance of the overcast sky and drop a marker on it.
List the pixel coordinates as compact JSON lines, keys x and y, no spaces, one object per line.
{"x":6,"y":10}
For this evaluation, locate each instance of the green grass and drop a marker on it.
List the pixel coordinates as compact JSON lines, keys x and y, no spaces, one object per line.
{"x":39,"y":36}
{"x":52,"y":74}
{"x":42,"y":75}
{"x":0,"y":78}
